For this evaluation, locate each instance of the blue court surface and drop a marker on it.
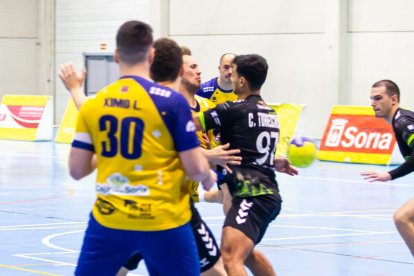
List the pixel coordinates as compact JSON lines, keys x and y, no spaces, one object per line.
{"x":332,"y":223}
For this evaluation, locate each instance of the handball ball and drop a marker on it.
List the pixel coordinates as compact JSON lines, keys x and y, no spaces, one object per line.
{"x":301,"y":152}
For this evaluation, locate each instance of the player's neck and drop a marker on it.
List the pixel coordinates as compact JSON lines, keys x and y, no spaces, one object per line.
{"x":392,"y":114}
{"x":141,"y":70}
{"x":174,"y":85}
{"x":244,"y":94}
{"x":190,"y":97}
{"x":224,"y":85}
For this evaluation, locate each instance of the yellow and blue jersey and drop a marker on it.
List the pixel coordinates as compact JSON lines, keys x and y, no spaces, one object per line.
{"x":137,"y":128}
{"x":212,"y":91}
{"x":204,"y":104}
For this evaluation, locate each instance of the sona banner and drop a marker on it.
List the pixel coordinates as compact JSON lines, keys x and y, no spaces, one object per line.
{"x":26,"y":118}
{"x":355,"y":135}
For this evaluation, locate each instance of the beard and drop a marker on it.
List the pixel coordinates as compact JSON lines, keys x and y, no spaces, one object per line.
{"x":190,"y":87}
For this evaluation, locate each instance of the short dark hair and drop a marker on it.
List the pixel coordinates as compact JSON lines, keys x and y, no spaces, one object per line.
{"x":167,"y":60}
{"x":253,"y":68}
{"x":133,"y":41}
{"x":391,"y":88}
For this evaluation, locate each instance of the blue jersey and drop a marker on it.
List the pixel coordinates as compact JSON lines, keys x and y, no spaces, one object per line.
{"x":212,"y":91}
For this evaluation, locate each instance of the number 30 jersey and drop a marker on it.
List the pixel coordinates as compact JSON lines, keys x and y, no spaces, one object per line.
{"x":136,"y":128}
{"x":251,"y":126}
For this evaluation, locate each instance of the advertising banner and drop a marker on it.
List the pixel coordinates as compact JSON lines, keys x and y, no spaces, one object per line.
{"x":26,"y":118}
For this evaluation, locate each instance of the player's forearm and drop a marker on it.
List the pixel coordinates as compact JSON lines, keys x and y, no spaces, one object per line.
{"x":79,"y":98}
{"x":404,"y":169}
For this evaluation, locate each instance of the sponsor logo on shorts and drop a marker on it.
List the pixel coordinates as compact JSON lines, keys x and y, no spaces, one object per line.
{"x":208,"y":241}
{"x":243,"y":211}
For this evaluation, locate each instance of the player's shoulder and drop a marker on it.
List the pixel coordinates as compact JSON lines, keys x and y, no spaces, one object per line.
{"x":204,"y":102}
{"x":208,"y":86}
{"x":404,"y":115}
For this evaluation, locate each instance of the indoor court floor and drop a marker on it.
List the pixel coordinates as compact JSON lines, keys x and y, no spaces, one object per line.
{"x":332,"y":222}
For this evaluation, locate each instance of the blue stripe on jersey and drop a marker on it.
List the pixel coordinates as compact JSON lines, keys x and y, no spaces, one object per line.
{"x":175,"y":112}
{"x":83,"y":145}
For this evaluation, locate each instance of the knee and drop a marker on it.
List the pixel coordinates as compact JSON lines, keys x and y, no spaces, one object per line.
{"x":400,"y":217}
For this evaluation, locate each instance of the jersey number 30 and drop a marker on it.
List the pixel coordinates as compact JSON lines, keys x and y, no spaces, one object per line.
{"x":129,"y":143}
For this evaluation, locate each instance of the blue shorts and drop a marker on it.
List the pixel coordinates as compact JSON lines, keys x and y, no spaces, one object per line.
{"x":168,"y":252}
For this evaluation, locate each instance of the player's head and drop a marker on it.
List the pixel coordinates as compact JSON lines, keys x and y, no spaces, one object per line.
{"x":191,"y":78}
{"x":385,"y":98}
{"x":248,"y":73}
{"x":133,"y":43}
{"x":225,"y":67}
{"x":167,"y":62}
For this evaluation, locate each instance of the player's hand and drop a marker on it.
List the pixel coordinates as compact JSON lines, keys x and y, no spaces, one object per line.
{"x":372,"y":176}
{"x":206,"y":140}
{"x":283,"y":165}
{"x":221,"y":155}
{"x":71,"y":80}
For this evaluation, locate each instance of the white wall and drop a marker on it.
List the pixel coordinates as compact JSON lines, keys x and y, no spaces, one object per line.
{"x":320,"y":52}
{"x":290,"y":34}
{"x":19,"y":61}
{"x":381,"y":38}
{"x":82,"y":26}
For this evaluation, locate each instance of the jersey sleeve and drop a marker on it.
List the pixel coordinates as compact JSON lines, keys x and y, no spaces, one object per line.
{"x":217,"y":117}
{"x":183,"y":130}
{"x":82,"y":137}
{"x":407,"y":127}
{"x":407,"y":134}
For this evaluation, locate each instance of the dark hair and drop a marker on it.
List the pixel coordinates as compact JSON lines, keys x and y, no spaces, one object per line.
{"x":167,"y":60}
{"x":133,"y":41}
{"x":391,"y":88}
{"x":253,"y":68}
{"x":185,"y":51}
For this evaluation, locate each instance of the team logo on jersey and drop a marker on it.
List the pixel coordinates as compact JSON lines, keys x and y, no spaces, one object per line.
{"x":215,"y":117}
{"x":105,"y":207}
{"x":190,"y":127}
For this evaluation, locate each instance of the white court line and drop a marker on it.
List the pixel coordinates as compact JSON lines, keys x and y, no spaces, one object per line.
{"x":47,"y":241}
{"x":30,"y":256}
{"x":319,"y":227}
{"x":328,"y":236}
{"x":41,"y":224}
{"x":336,"y":180}
{"x":47,"y":226}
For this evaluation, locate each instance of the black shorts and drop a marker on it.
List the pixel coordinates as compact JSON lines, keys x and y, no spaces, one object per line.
{"x":252,"y":215}
{"x":208,"y":250}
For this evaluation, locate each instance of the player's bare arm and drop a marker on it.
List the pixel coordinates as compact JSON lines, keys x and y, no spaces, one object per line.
{"x":73,"y":82}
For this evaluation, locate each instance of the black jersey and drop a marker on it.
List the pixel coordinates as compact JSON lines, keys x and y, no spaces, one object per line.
{"x":251,"y":126}
{"x":403,"y":126}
